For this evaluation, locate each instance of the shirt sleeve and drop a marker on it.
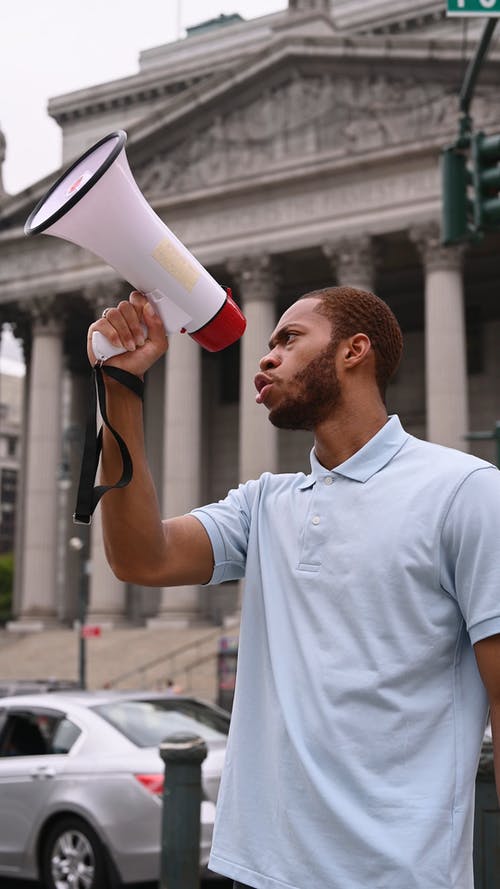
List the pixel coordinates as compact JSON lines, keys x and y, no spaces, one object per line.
{"x":227,"y":524}
{"x":470,"y":552}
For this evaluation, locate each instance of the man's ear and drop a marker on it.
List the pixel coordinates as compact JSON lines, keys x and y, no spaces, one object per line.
{"x":356,"y":349}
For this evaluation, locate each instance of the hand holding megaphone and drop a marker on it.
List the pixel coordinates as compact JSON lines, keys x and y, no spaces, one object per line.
{"x":131,"y":325}
{"x":97,"y":204}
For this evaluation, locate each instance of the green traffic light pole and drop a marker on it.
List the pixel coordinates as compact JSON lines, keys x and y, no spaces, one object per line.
{"x":456,"y":209}
{"x":471,"y":75}
{"x":488,"y":436}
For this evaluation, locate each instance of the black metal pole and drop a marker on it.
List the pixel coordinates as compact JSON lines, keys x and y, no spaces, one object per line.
{"x":474,"y":66}
{"x":82,"y":642}
{"x":78,"y":545}
{"x":180,"y":840}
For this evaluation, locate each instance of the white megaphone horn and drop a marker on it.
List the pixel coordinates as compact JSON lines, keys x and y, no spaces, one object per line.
{"x":97,"y":204}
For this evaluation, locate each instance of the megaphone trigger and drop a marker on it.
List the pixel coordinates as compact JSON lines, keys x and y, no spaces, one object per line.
{"x":103,"y":349}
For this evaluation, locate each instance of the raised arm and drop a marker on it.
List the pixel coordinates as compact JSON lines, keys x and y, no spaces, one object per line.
{"x":140,"y":547}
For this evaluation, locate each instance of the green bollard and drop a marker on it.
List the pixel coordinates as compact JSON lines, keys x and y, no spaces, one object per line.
{"x":180,"y":837}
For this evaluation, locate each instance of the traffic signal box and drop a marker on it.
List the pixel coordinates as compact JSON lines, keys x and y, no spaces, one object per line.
{"x":471,"y":186}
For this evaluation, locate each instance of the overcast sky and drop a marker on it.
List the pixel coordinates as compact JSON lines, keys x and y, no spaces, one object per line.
{"x":51,"y":47}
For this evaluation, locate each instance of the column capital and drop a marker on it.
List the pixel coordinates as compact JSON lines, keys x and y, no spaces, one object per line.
{"x":352,"y":260}
{"x":427,"y":239}
{"x":98,"y":297}
{"x":256,"y":277}
{"x":46,"y":316}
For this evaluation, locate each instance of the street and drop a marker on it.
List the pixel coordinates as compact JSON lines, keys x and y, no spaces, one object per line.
{"x":30,"y":884}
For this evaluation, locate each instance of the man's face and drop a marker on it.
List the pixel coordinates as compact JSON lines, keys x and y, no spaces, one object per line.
{"x":298,"y":382}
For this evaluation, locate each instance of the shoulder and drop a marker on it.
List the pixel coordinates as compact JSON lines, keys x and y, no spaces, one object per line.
{"x":253,"y":492}
{"x":440,"y":459}
{"x":271,"y":484}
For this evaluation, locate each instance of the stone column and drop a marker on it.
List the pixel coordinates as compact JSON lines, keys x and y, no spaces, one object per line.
{"x":352,"y":261}
{"x":43,"y":449}
{"x":445,"y":343}
{"x":74,"y":417}
{"x":107,"y":595}
{"x":181,"y":467}
{"x":257,"y":285}
{"x":22,"y":330}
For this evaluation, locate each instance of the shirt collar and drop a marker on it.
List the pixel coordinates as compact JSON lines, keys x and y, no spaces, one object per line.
{"x":372,"y":457}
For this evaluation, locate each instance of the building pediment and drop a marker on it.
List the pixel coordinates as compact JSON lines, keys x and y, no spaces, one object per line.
{"x":297,"y":106}
{"x":302,"y":102}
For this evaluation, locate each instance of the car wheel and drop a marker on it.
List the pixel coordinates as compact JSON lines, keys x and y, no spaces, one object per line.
{"x":73,"y":857}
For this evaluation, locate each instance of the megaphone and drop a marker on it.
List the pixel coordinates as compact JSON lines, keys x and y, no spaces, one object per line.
{"x":97,"y":204}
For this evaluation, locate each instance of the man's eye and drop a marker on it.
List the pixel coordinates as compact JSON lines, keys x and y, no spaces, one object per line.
{"x":289,"y":337}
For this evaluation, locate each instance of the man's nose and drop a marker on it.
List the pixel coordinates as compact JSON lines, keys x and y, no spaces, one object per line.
{"x":269,"y":360}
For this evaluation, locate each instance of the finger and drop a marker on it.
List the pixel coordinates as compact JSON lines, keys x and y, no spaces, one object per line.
{"x":156,"y":329}
{"x":133,"y":320}
{"x":116,"y":329}
{"x":138,"y":300}
{"x":148,"y":315}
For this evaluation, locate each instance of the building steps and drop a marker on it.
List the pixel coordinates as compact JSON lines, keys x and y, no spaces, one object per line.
{"x":120,"y":657}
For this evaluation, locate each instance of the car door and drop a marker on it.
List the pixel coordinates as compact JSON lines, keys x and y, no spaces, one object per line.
{"x":29,"y":762}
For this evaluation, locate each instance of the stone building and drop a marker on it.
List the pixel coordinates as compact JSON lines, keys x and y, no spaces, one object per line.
{"x":287,"y":152}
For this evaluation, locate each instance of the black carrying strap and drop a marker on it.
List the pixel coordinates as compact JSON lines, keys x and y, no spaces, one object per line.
{"x":88,"y":496}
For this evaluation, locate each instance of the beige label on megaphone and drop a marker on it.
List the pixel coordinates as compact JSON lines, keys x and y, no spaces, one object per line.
{"x":176,"y":263}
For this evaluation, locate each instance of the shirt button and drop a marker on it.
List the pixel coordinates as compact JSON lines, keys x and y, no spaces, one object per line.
{"x":316,"y":520}
{"x":328,"y":480}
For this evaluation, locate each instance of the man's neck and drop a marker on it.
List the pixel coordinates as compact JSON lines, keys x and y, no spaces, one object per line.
{"x":345,"y":433}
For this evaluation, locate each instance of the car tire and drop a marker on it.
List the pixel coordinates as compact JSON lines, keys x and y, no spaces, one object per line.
{"x":73,"y":857}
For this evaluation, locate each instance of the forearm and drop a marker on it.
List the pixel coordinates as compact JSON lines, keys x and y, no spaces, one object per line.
{"x":132,"y":528}
{"x":140,"y":547}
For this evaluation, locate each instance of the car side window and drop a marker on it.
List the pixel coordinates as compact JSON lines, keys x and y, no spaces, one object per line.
{"x":37,"y":733}
{"x":65,"y":735}
{"x":22,"y":737}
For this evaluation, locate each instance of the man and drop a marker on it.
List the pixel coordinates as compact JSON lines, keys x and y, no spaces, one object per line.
{"x":371,"y":611}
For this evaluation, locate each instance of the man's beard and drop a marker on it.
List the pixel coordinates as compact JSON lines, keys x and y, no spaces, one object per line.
{"x":317,"y":394}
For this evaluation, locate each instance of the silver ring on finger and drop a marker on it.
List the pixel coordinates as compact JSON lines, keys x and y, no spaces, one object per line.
{"x":105,"y":312}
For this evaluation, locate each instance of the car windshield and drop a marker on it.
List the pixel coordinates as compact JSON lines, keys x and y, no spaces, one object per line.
{"x":148,"y":722}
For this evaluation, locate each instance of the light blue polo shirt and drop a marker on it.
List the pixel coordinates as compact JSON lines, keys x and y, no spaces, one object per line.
{"x":359,"y":710}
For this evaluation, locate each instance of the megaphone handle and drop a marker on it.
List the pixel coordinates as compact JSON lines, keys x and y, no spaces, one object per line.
{"x":103,"y":349}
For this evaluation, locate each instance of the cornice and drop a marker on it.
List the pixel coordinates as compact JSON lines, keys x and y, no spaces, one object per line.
{"x":174,"y":86}
{"x":121,"y":94}
{"x":358,"y":15}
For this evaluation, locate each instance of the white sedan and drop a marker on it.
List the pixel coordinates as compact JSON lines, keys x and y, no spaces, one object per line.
{"x":81,"y":783}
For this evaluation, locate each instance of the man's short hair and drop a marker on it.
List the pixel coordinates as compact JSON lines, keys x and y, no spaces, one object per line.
{"x":354,"y":311}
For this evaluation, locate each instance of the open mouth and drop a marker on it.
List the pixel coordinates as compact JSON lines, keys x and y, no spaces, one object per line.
{"x":263,"y":385}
